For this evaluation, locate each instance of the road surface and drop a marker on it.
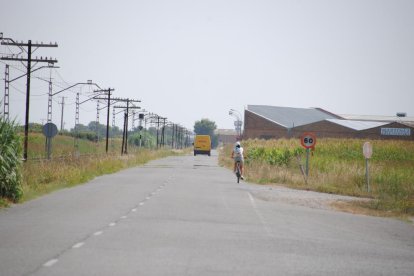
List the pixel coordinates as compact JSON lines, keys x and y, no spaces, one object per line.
{"x":188,"y":216}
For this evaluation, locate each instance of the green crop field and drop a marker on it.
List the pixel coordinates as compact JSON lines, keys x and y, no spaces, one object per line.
{"x":336,"y":166}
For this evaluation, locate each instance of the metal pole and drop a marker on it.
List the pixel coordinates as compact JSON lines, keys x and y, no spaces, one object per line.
{"x":163,"y":133}
{"x":307,"y":162}
{"x":126,"y":128}
{"x":26,"y":126}
{"x":49,"y":146}
{"x":76,"y":123}
{"x":172,"y":137}
{"x":61,"y":116}
{"x":6,"y":93}
{"x":123,"y":136}
{"x":367,"y":174}
{"x":158,"y":127}
{"x":107,"y":120}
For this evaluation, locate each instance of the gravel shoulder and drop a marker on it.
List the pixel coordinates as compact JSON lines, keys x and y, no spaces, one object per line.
{"x":301,"y":197}
{"x":310,"y":199}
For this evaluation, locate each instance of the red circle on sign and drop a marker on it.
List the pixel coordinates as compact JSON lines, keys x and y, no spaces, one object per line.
{"x":308,"y":140}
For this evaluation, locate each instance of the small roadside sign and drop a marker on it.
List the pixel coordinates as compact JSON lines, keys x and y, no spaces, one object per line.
{"x":308,"y":140}
{"x":367,"y":150}
{"x":50,"y":130}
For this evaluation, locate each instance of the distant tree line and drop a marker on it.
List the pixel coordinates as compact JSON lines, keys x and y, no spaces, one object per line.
{"x":207,"y":127}
{"x":96,"y":132}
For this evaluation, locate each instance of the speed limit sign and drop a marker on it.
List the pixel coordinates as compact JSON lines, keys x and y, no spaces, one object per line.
{"x":308,"y":140}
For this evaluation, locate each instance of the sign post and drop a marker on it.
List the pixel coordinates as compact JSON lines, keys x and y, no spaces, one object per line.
{"x":308,"y":141}
{"x":49,"y":130}
{"x":367,"y":151}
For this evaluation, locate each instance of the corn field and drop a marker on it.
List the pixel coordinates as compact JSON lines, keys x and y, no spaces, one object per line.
{"x":10,"y":163}
{"x":335,"y":166}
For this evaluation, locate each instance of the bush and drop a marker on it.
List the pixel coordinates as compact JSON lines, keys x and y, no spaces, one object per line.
{"x":10,"y":164}
{"x":147,"y":139}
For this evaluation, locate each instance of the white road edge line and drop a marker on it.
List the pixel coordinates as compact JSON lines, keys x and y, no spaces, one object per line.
{"x":50,"y":262}
{"x":262,"y":219}
{"x":98,"y":233}
{"x":134,"y":210}
{"x":252,"y":200}
{"x":112,"y":224}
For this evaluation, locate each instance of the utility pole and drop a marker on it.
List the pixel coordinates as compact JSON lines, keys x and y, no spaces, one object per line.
{"x":172,"y":136}
{"x":49,"y":101}
{"x":29,"y":61}
{"x":126,"y":116}
{"x":6,"y":92}
{"x":123,"y":133}
{"x":163,"y":132}
{"x":97,"y":122}
{"x":108,"y":94}
{"x":61,"y":116}
{"x":158,"y":128}
{"x":76,"y":122}
{"x":126,"y":127}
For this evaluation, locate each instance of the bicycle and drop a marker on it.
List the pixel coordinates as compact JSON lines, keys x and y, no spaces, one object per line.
{"x":238,"y":172}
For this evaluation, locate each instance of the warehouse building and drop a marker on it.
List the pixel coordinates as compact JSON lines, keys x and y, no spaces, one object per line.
{"x":226,"y":136}
{"x":273,"y":122}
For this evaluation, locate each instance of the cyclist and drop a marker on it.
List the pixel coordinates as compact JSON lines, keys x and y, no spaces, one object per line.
{"x":237,"y":155}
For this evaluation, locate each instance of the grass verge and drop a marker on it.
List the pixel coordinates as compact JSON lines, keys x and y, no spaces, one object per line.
{"x":42,"y":177}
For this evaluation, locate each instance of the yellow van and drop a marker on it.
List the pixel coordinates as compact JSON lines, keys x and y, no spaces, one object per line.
{"x":202,"y":145}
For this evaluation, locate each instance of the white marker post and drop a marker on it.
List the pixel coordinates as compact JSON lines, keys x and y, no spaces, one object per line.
{"x":367,"y":151}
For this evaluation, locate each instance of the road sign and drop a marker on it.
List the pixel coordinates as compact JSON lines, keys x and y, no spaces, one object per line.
{"x":50,"y":130}
{"x":367,"y":150}
{"x":308,"y":140}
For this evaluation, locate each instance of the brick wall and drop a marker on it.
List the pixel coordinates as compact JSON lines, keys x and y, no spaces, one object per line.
{"x":375,"y":133}
{"x":258,"y":127}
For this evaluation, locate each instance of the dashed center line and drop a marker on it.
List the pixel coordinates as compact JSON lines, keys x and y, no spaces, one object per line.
{"x":50,"y":262}
{"x":78,"y":245}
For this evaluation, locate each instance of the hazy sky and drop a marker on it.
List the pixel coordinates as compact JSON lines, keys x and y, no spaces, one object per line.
{"x":188,"y":60}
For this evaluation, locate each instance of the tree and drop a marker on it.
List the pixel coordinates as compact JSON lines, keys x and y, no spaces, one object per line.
{"x":206,"y":127}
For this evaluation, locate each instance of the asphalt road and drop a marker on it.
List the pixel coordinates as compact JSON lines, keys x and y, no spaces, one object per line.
{"x":187,"y":216}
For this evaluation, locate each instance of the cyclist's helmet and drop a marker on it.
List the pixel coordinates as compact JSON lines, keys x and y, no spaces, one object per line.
{"x":237,"y":145}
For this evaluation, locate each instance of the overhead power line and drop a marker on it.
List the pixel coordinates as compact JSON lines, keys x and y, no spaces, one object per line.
{"x":28,"y":59}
